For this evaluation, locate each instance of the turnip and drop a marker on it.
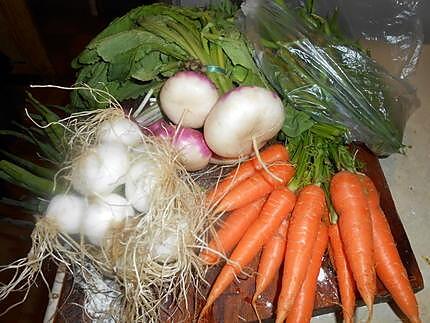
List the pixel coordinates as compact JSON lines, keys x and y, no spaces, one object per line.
{"x":242,"y":120}
{"x":194,"y":154}
{"x":119,"y":129}
{"x":102,"y":215}
{"x":187,"y":97}
{"x":100,"y":169}
{"x":67,"y":212}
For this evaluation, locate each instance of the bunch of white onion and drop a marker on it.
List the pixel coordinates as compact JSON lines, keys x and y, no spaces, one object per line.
{"x":132,"y":210}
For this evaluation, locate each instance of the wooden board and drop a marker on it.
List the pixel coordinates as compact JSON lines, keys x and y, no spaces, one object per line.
{"x":234,"y":304}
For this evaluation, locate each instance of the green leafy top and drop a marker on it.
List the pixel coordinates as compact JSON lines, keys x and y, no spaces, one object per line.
{"x":138,"y":51}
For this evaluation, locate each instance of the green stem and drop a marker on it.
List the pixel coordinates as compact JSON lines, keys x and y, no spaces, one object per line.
{"x":21,"y":177}
{"x":36,"y":169}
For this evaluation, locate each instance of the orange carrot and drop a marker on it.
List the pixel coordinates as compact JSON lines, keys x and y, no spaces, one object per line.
{"x":283,"y":171}
{"x":255,"y":187}
{"x":345,"y":280}
{"x":302,"y":233}
{"x":277,"y":207}
{"x":236,"y":176}
{"x":355,"y":228}
{"x":231,"y":231}
{"x":273,"y":153}
{"x":271,"y":259}
{"x":304,"y":303}
{"x":389,"y":267}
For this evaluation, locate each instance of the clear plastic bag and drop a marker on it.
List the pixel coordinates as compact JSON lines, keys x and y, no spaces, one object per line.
{"x":327,"y":75}
{"x":392,"y":22}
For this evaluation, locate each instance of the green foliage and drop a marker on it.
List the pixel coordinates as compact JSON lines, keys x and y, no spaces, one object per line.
{"x":140,"y":50}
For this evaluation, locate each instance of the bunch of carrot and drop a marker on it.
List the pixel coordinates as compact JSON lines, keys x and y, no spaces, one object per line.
{"x":365,"y":247}
{"x":283,"y":211}
{"x":266,"y":215}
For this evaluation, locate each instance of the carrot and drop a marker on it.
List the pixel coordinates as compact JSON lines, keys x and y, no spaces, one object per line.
{"x":343,"y":272}
{"x":389,"y":267}
{"x":283,"y":172}
{"x":271,"y":259}
{"x":273,"y":153}
{"x":232,"y":229}
{"x":304,"y":303}
{"x":355,"y":228}
{"x":236,"y":176}
{"x":255,"y":187}
{"x":302,"y":233}
{"x":277,"y":207}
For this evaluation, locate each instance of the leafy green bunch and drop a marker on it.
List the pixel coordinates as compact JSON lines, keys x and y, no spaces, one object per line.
{"x":138,"y":51}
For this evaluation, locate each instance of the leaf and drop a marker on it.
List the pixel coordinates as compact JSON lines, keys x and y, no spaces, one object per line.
{"x":296,"y":122}
{"x":120,"y":67}
{"x":127,"y":22}
{"x":114,"y":45}
{"x":148,"y":67}
{"x":132,"y":90}
{"x":239,"y":73}
{"x":236,"y":50}
{"x":88,"y":56}
{"x":170,"y":50}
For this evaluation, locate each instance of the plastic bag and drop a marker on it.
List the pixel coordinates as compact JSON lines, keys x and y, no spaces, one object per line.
{"x":318,"y":70}
{"x":393,"y":22}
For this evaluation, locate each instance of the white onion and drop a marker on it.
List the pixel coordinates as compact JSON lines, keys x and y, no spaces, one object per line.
{"x":121,"y":130}
{"x":67,"y":210}
{"x":166,"y":244}
{"x":165,"y":247}
{"x":142,"y":178}
{"x":100,"y":170}
{"x":103,"y":214}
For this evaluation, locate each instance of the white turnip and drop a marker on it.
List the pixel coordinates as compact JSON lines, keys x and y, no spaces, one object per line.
{"x":194,"y":153}
{"x":187,"y":97}
{"x":246,"y":116}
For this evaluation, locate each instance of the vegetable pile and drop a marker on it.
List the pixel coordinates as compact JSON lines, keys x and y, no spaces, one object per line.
{"x":131,"y":191}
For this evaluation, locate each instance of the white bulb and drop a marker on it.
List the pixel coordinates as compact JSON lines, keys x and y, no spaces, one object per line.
{"x":121,"y":130}
{"x":101,"y":169}
{"x":68,"y":211}
{"x":103,"y":214}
